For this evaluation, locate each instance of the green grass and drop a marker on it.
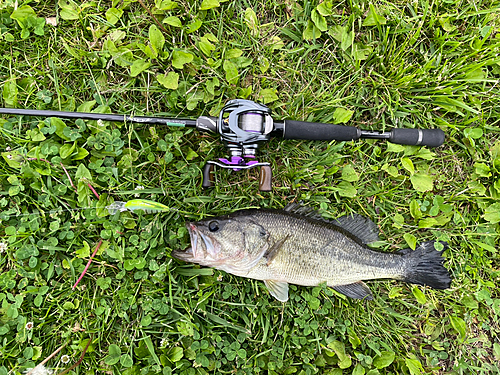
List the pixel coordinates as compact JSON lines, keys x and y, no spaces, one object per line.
{"x":405,"y":64}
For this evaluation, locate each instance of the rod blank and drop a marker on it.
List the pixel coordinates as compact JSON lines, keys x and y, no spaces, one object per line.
{"x":100,"y":116}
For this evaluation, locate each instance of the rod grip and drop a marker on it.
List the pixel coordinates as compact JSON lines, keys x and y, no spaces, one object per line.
{"x":417,"y":137}
{"x":317,"y":131}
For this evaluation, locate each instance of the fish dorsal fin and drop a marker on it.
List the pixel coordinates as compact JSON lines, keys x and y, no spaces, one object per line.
{"x":404,"y":251}
{"x":299,"y":209}
{"x":273,"y":250}
{"x":357,"y":290}
{"x":278,"y":289}
{"x":359,"y":226}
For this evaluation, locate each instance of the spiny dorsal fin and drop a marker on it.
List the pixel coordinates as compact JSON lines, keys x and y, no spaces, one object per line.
{"x":278,"y":289}
{"x":357,"y":290}
{"x":359,"y":226}
{"x":299,"y":209}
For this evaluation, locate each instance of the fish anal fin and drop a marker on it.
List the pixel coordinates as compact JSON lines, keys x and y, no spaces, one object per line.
{"x":273,"y":250}
{"x":278,"y":289}
{"x":358,"y":290}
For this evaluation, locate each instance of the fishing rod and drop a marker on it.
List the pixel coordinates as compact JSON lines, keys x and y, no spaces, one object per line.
{"x":243,"y":125}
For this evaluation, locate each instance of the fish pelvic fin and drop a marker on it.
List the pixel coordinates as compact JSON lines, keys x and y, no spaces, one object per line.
{"x":358,"y":290}
{"x":278,"y":289}
{"x":425,"y":266}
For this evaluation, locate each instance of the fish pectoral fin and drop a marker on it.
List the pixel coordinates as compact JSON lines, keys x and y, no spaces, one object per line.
{"x":357,"y":290}
{"x":278,"y":289}
{"x":273,"y":250}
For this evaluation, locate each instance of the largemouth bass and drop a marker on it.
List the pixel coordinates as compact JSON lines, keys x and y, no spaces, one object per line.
{"x":294,"y":246}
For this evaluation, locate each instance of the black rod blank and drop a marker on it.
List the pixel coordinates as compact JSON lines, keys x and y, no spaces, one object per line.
{"x":100,"y":116}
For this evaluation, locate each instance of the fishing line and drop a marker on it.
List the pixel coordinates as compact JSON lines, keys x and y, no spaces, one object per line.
{"x":50,"y":212}
{"x":149,"y":207}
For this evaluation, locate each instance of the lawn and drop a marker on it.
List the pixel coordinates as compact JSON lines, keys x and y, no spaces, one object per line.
{"x":374,"y":65}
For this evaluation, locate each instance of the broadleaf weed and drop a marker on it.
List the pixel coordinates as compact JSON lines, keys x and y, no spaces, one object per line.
{"x":368,"y":64}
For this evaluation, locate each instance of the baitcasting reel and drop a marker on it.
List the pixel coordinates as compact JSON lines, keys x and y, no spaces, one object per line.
{"x":242,"y":125}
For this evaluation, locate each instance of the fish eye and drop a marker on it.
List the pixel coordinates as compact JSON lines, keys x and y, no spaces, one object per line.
{"x":213,"y":226}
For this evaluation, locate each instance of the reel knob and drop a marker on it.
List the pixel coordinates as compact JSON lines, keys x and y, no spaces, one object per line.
{"x":265,"y":178}
{"x":208,"y":176}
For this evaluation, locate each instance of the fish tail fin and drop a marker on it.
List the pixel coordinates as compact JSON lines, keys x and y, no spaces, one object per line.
{"x":425,"y":266}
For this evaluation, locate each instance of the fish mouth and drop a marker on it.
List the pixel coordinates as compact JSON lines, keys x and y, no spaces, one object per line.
{"x":202,"y":248}
{"x":185,"y":255}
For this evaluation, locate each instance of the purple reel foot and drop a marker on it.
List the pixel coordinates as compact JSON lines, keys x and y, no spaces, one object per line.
{"x":239,"y":162}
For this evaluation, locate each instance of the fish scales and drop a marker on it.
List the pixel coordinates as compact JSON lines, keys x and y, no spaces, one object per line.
{"x":317,"y":252}
{"x":298,"y":247}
